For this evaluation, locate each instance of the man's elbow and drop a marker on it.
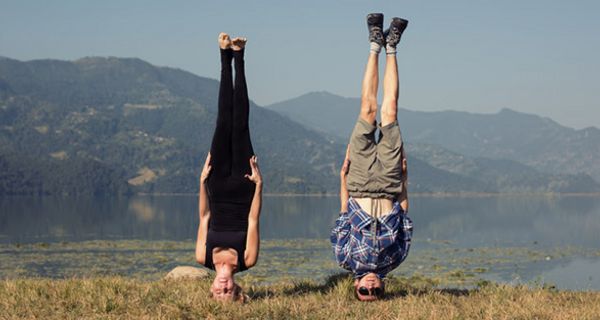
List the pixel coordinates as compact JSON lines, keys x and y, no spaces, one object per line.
{"x":404,"y":205}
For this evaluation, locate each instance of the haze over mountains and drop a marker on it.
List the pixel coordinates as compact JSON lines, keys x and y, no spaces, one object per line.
{"x":150,"y":126}
{"x":115,"y":125}
{"x":531,"y":140}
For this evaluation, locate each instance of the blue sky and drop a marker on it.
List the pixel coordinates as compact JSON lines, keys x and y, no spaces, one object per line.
{"x":479,"y":56}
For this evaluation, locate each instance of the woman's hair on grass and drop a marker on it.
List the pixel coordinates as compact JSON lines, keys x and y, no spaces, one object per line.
{"x":237,"y":296}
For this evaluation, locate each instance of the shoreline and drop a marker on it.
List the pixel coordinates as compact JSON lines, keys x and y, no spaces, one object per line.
{"x":328,"y":195}
{"x":415,"y":194}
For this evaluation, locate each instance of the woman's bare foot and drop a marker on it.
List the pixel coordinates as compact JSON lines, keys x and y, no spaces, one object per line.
{"x":224,"y":41}
{"x":238,"y":43}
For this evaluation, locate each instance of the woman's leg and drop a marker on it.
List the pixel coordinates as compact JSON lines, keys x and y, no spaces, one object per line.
{"x":221,"y":144}
{"x":241,"y":143}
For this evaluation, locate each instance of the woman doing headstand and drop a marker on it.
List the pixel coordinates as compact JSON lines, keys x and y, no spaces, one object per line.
{"x":230,"y":182}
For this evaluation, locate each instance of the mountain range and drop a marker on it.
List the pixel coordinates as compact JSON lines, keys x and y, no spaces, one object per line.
{"x":105,"y":125}
{"x":151,"y":126}
{"x":525,"y":139}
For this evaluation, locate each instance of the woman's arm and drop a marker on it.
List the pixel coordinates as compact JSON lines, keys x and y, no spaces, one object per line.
{"x":252,"y":237}
{"x":343,"y":187}
{"x":204,"y":212}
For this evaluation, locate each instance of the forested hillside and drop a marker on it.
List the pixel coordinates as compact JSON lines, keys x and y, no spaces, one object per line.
{"x":118,"y":126}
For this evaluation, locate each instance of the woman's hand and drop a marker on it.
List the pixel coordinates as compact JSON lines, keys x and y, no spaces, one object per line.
{"x":205,"y":170}
{"x":255,"y":177}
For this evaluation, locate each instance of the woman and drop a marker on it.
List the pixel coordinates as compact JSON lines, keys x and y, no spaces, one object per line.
{"x":230,"y":183}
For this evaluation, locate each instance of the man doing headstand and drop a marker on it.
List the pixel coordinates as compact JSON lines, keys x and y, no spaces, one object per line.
{"x":372,"y":234}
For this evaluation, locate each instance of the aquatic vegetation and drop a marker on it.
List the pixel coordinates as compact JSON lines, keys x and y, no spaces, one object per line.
{"x":280,"y":260}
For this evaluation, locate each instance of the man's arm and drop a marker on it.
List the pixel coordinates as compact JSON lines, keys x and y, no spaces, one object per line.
{"x":403,"y":198}
{"x":343,"y":187}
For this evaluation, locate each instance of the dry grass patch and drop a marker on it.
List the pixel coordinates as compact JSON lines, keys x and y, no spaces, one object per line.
{"x":412,"y":298}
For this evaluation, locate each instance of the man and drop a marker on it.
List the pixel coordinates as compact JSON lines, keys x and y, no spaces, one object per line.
{"x":372,"y":235}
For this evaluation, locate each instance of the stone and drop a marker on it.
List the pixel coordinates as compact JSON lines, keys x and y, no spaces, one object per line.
{"x":187,"y":272}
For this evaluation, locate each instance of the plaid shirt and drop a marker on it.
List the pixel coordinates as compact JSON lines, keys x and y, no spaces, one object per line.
{"x":364,"y":244}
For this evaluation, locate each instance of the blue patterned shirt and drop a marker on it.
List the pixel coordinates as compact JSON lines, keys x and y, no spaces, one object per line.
{"x":364,"y":244}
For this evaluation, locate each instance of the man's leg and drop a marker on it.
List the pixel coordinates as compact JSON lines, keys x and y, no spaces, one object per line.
{"x":368,"y":105}
{"x":368,"y":108}
{"x":362,"y":147}
{"x":389,"y":106}
{"x":390,"y":148}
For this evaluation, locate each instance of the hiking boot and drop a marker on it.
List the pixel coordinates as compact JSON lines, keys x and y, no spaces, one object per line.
{"x":375,"y":25}
{"x":393,"y":34}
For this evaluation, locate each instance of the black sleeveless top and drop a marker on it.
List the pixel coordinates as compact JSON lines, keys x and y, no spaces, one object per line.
{"x":226,"y":239}
{"x":229,"y":199}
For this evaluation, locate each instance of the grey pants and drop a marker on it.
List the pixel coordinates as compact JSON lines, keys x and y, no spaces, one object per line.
{"x":375,"y":167}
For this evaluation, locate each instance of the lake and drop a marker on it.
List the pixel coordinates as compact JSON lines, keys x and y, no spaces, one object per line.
{"x":529,"y":239}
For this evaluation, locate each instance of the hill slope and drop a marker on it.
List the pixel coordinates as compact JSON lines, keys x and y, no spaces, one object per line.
{"x":114,"y":125}
{"x":529,"y":139}
{"x":152,"y":125}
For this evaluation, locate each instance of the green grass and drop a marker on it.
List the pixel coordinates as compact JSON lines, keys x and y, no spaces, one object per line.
{"x":408,"y":298}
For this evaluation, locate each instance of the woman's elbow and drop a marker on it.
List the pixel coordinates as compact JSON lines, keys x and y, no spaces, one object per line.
{"x":251,"y":262}
{"x":204,"y":213}
{"x":200,"y":257}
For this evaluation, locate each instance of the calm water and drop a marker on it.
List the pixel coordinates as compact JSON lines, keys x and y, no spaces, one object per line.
{"x":537,"y":223}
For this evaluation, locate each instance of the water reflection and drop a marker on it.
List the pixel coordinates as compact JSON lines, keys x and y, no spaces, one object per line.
{"x":580,"y":274}
{"x":464,"y":221}
{"x":515,"y":220}
{"x":516,"y":232}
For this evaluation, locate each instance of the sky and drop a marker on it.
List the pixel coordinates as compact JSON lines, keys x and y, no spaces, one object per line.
{"x":479,"y":56}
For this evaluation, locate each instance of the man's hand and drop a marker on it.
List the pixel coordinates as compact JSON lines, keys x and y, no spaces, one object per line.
{"x":404,"y":170}
{"x":345,"y":166}
{"x":404,"y":166}
{"x":255,"y":177}
{"x":205,"y":170}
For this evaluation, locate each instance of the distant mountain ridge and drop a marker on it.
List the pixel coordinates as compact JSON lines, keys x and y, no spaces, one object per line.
{"x":538,"y":142}
{"x":152,"y":124}
{"x":121,"y":125}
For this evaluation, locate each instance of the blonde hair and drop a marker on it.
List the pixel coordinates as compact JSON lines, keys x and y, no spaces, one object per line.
{"x":237,"y":296}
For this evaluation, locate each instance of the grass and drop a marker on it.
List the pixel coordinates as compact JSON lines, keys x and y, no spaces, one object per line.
{"x":121,"y":279}
{"x":408,"y":298}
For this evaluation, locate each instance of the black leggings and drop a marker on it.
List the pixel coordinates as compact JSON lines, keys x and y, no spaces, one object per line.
{"x":231,"y":146}
{"x":229,"y":192}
